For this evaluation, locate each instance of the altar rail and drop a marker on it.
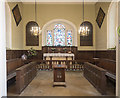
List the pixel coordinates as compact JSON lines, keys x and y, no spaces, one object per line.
{"x":70,"y":64}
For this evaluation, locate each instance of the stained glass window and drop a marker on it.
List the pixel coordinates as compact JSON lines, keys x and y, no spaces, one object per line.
{"x":49,"y":38}
{"x":59,"y":35}
{"x":69,"y":38}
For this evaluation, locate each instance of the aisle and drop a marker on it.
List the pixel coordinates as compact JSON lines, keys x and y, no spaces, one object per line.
{"x":77,"y":85}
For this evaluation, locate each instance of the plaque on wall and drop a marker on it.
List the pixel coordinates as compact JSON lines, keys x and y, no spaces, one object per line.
{"x":100,"y":17}
{"x":16,"y":14}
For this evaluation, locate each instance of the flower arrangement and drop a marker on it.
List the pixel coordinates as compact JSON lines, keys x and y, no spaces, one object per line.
{"x":31,"y":52}
{"x":53,"y":49}
{"x":64,"y":49}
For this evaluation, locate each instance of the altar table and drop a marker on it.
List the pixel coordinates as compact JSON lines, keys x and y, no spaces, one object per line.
{"x":58,"y":56}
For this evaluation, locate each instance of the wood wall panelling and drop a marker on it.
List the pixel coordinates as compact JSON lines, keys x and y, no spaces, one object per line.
{"x":87,"y":55}
{"x":12,"y":54}
{"x":107,"y":54}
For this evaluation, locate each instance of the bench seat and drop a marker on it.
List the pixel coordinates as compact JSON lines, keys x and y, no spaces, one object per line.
{"x":96,"y":76}
{"x":111,"y":76}
{"x":11,"y":75}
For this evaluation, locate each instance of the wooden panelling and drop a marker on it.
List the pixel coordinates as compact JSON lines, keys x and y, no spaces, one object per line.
{"x":107,"y":54}
{"x":12,"y":54}
{"x":39,"y":54}
{"x":96,"y":76}
{"x":24,"y":75}
{"x":59,"y":49}
{"x":109,"y":65}
{"x":13,"y":64}
{"x":87,"y":55}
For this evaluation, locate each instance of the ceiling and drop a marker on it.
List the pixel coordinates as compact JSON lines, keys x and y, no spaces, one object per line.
{"x":60,"y":1}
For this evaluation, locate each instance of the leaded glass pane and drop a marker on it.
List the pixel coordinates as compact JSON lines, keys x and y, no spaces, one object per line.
{"x":49,"y":38}
{"x":59,"y":35}
{"x":69,"y":38}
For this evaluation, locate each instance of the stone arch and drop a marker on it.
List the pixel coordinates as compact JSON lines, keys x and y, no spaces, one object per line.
{"x":59,"y":21}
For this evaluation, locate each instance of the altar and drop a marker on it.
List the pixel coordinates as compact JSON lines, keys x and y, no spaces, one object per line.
{"x":58,"y":56}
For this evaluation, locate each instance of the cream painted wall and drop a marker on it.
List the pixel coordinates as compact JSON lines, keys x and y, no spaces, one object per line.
{"x":17,"y":31}
{"x":47,"y":12}
{"x":101,"y":34}
{"x":71,"y":12}
{"x":8,"y":27}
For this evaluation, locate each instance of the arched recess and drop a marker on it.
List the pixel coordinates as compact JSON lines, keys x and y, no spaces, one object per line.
{"x":112,"y":25}
{"x":8,"y":27}
{"x":50,"y":26}
{"x":87,"y":40}
{"x":31,"y":40}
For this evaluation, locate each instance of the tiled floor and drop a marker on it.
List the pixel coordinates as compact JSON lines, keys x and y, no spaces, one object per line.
{"x":77,"y":85}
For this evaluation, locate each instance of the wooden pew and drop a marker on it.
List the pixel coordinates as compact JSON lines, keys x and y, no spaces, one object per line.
{"x":109,"y":66}
{"x":24,"y":75}
{"x":96,"y":76}
{"x":12,"y":65}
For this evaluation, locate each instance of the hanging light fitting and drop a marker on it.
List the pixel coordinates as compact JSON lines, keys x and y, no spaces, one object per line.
{"x":35,"y":30}
{"x":84,"y":30}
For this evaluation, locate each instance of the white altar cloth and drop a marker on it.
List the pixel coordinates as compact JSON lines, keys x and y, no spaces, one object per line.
{"x":58,"y":54}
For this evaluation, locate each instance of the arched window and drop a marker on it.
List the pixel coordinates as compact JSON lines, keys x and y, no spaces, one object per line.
{"x":49,"y":38}
{"x":59,"y":32}
{"x":87,"y":40}
{"x":59,"y":35}
{"x":69,"y":38}
{"x":112,"y":24}
{"x":31,"y":40}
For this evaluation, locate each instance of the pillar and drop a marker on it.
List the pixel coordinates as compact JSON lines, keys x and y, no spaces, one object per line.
{"x":118,"y":56}
{"x":3,"y":87}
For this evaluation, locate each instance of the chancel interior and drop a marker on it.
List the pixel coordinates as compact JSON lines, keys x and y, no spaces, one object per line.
{"x":61,"y":49}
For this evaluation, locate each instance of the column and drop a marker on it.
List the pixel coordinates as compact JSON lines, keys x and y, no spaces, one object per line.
{"x":118,"y":57}
{"x":3,"y":81}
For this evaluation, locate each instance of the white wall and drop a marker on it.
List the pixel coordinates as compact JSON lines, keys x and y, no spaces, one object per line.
{"x":8,"y":27}
{"x":111,"y":25}
{"x":3,"y":87}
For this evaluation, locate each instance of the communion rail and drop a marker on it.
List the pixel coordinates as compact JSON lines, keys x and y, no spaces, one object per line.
{"x":70,"y":64}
